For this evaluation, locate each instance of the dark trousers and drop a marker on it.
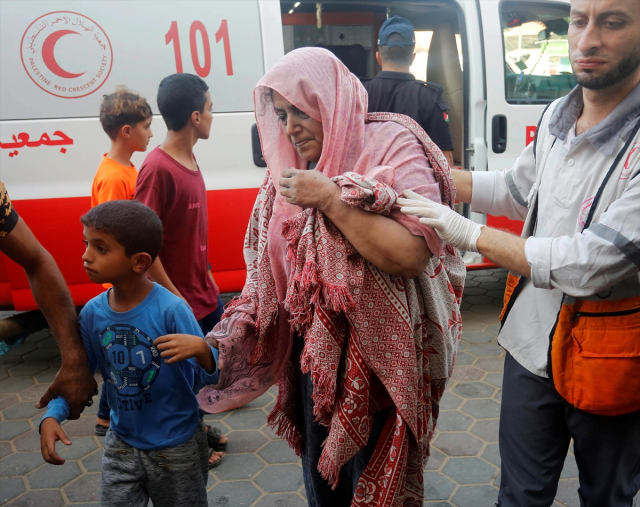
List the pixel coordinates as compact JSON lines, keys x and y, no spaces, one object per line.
{"x":536,"y":428}
{"x":319,"y":493}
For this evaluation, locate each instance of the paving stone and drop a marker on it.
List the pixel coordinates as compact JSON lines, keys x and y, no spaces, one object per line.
{"x":450,"y":401}
{"x":277,"y":478}
{"x":458,"y":444}
{"x":47,"y":376}
{"x":8,"y":400}
{"x":52,"y":476}
{"x":469,"y":470}
{"x":473,"y":291}
{"x":482,"y":409}
{"x":93,"y":462}
{"x":485,"y":350}
{"x":42,"y":355}
{"x":487,"y":430}
{"x":49,"y":498}
{"x":29,"y":441}
{"x":11,"y":429}
{"x":245,"y":441}
{"x":479,"y":300}
{"x":48,"y":343}
{"x":452,"y":420}
{"x":56,"y":362}
{"x":260,"y":401}
{"x":269,"y":432}
{"x":477,"y":337}
{"x":497,"y":294}
{"x":568,"y":493}
{"x":15,"y":384}
{"x":437,"y":486}
{"x":21,"y":350}
{"x":83,"y":427}
{"x":493,"y":329}
{"x":489,"y":278}
{"x":492,"y":454}
{"x":79,"y":447}
{"x":495,"y":379}
{"x":20,"y":463}
{"x":438,"y":504}
{"x":474,"y":389}
{"x":498,"y":396}
{"x":20,"y":411}
{"x":215,"y":417}
{"x":84,"y":489}
{"x":5,"y":449}
{"x":246,"y":419}
{"x":233,"y":494}
{"x":238,"y":466}
{"x":496,"y":481}
{"x":28,"y":369}
{"x":278,"y":452}
{"x":3,"y":374}
{"x":464,"y":359}
{"x":10,"y":488}
{"x":281,"y":500}
{"x":570,"y":468}
{"x":476,"y":496}
{"x":37,"y":337}
{"x":467,"y":373}
{"x":9,"y":361}
{"x":490,"y":364}
{"x":435,"y":459}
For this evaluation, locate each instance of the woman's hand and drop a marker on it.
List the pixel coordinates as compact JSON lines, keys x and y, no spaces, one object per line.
{"x":308,"y":188}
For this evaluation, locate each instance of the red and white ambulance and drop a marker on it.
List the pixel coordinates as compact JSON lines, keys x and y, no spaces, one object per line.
{"x":499,"y":63}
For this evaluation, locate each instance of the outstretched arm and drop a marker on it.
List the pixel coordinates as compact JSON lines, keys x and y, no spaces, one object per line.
{"x":74,"y":381}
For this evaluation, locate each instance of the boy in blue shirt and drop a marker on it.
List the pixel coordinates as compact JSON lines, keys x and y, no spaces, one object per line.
{"x":149,"y":348}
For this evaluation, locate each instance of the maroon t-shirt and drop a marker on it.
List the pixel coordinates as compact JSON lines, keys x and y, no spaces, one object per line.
{"x":179,"y":197}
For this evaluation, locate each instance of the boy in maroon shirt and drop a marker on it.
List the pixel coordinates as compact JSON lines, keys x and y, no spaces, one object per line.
{"x":171,"y":184}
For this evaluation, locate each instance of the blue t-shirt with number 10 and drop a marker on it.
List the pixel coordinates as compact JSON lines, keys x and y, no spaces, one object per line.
{"x":152,"y":403}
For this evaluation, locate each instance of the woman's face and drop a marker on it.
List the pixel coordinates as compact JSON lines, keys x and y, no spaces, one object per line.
{"x":304,"y":133}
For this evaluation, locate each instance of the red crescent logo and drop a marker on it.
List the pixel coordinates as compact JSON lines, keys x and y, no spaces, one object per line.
{"x":49,"y":59}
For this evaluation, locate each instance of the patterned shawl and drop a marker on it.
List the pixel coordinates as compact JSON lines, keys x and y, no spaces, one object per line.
{"x":372,"y":340}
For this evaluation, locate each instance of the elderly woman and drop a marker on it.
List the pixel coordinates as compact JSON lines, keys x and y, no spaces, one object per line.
{"x":351,"y":307}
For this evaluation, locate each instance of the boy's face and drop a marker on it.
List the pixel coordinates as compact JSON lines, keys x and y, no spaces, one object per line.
{"x":104,"y":258}
{"x":206,"y":117}
{"x":140,"y":135}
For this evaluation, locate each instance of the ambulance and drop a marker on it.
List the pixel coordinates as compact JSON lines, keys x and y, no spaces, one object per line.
{"x":499,"y":63}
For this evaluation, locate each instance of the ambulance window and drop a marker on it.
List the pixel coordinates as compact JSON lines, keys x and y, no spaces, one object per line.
{"x":423,"y":43}
{"x":536,"y":52}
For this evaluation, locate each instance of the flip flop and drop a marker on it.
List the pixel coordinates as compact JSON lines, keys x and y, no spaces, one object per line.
{"x":101,"y":430}
{"x":215,"y":463}
{"x":213,"y":439}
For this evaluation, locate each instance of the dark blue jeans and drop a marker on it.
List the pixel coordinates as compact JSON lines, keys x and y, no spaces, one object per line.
{"x":319,"y":493}
{"x":536,"y":428}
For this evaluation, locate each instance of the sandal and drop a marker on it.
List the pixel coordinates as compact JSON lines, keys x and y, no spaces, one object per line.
{"x":213,"y":439}
{"x":215,"y":463}
{"x":101,"y":430}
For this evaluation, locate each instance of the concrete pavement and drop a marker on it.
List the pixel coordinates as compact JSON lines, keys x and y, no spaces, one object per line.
{"x":260,"y":469}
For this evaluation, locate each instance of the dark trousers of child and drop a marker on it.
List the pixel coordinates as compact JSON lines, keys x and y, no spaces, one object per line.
{"x":172,"y":477}
{"x":536,"y":429}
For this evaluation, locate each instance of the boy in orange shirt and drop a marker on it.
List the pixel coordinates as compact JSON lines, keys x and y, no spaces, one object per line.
{"x":126,"y":118}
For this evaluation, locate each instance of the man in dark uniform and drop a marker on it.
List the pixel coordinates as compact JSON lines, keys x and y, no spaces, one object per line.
{"x":396,"y":90}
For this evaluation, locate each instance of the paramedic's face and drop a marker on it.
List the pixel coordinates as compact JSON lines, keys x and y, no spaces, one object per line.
{"x":104,"y":258}
{"x":303,"y":132}
{"x":604,"y":41}
{"x":141,"y":135}
{"x":206,"y":117}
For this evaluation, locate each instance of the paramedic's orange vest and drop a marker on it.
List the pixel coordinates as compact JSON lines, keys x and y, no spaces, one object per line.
{"x":594,"y":346}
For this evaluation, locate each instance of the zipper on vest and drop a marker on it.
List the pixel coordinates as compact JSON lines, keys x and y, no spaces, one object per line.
{"x":606,"y":314}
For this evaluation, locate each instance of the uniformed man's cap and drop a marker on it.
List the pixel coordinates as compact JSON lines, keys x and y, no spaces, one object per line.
{"x":396,"y":24}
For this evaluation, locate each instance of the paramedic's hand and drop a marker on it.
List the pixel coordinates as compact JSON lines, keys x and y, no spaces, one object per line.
{"x":452,"y":227}
{"x":50,"y":433}
{"x":308,"y":188}
{"x":179,"y":347}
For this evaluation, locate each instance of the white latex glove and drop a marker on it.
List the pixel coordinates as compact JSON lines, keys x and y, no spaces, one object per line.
{"x":452,"y":227}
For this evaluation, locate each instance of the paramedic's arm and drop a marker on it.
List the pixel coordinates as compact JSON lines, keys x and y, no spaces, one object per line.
{"x":498,"y":193}
{"x":73,"y":381}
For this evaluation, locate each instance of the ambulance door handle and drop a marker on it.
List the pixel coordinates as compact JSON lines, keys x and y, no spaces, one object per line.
{"x":256,"y":147}
{"x":499,"y":133}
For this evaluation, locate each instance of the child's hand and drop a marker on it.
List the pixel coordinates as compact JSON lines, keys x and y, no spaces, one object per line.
{"x":178,"y":347}
{"x":50,"y":433}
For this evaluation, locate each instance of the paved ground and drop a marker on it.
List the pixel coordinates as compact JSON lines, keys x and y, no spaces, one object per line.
{"x":260,"y":469}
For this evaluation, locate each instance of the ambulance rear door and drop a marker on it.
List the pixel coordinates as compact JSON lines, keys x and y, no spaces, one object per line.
{"x":526,"y":67}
